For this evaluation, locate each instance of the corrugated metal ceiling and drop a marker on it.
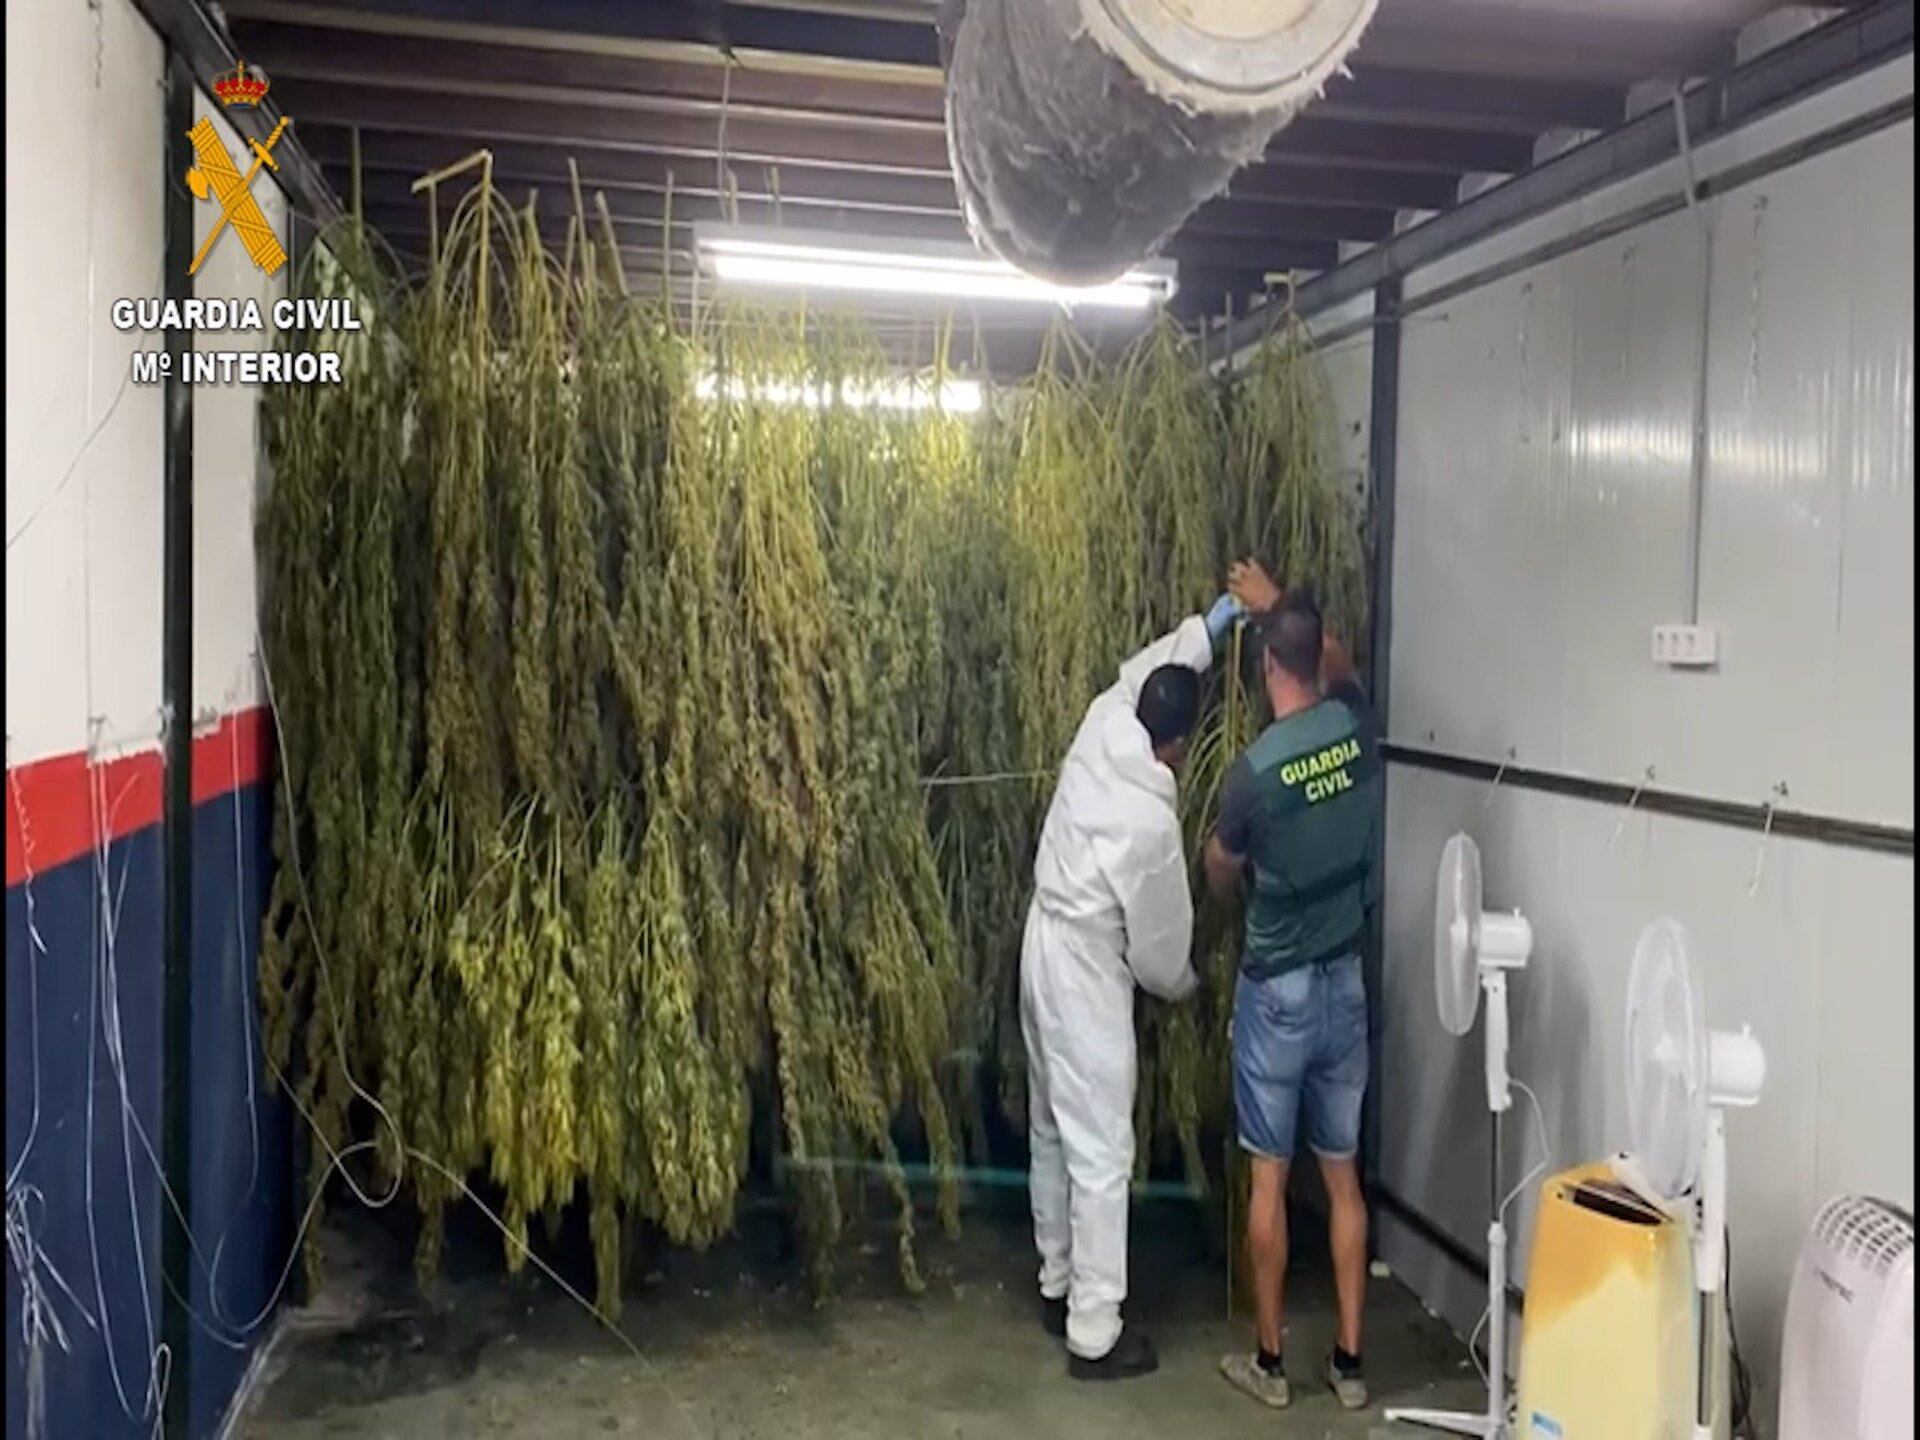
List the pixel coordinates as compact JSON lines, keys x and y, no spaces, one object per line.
{"x":827,"y":114}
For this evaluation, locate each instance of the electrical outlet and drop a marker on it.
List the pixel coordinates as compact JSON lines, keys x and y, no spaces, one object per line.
{"x":1686,"y":647}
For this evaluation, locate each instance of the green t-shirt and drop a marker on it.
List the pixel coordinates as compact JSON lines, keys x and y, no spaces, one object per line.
{"x":1303,"y":807}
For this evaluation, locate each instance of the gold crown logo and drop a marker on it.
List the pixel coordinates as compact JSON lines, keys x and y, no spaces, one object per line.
{"x":241,"y":86}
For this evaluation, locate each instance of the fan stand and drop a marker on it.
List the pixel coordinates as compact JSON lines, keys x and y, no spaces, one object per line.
{"x":1504,"y":944}
{"x":1737,"y":1070}
{"x":1734,"y":1070}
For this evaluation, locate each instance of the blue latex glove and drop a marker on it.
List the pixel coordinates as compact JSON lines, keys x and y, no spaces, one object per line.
{"x":1220,"y":619}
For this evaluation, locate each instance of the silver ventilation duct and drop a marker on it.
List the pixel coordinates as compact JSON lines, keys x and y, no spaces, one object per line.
{"x":1083,"y":133}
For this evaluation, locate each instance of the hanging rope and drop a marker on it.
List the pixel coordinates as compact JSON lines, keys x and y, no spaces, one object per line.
{"x":1646,"y":779}
{"x":1766,"y":834}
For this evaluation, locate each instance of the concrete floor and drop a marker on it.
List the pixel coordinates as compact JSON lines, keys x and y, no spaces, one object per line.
{"x":731,"y":1345}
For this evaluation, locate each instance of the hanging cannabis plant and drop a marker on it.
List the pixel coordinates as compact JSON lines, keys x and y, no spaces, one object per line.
{"x":669,"y":729}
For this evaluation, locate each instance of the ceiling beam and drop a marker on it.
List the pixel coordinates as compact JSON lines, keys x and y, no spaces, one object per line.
{"x":1868,"y":35}
{"x":1254,"y":254}
{"x":641,"y":220}
{"x":671,"y":127}
{"x":555,"y":199}
{"x":631,"y":167}
{"x":1401,"y":147}
{"x":1469,"y":37}
{"x":333,"y":55}
{"x":395,"y":54}
{"x":1252,"y":224}
{"x":1550,"y":43}
{"x":1286,"y":181}
{"x":636,"y":169}
{"x":1296,"y":222}
{"x":1518,"y":104}
{"x":701,"y":22}
{"x":525,"y":114}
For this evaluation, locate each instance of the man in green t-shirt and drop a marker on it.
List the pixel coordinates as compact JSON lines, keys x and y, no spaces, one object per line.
{"x":1299,"y":826}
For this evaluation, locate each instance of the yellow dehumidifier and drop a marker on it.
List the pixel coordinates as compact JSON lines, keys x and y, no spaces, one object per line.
{"x":1610,"y":1347}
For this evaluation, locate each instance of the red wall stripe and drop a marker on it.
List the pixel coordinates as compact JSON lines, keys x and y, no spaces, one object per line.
{"x":56,"y":797}
{"x":236,"y":754}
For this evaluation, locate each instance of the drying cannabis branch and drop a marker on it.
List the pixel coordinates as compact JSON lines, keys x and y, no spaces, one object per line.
{"x":612,"y":679}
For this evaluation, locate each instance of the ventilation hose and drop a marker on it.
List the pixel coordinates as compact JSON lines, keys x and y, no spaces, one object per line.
{"x":1068,"y":163}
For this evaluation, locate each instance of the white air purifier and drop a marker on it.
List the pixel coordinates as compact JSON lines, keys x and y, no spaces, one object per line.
{"x":1846,"y":1361}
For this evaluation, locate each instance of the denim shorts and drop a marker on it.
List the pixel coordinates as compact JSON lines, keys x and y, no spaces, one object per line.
{"x":1300,"y":1058}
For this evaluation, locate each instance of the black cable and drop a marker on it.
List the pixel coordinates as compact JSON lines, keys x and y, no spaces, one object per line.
{"x":1742,"y":1378}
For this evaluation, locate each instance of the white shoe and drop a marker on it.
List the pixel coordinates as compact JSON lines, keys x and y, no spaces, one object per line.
{"x":1349,"y":1390}
{"x":1246,"y":1374}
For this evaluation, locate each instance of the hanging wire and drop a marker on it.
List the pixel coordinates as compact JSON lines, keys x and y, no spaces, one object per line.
{"x":105,"y":1033}
{"x":1766,"y":834}
{"x":1646,"y":779}
{"x":1741,"y":1400}
{"x":36,"y":949}
{"x":40,"y":1322}
{"x":1540,"y":1169}
{"x":33,"y":516}
{"x":39,"y":1319}
{"x":1498,"y":776}
{"x":720,"y":170}
{"x":103,"y":1022}
{"x":724,"y":194}
{"x":995,"y":777}
{"x":245,"y":993}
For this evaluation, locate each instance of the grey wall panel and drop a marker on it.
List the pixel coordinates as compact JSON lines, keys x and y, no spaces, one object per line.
{"x":1816,"y":958}
{"x":1544,"y":471}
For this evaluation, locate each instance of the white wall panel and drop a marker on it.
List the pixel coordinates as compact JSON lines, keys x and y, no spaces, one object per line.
{"x":1816,"y":959}
{"x":1871,"y":699}
{"x":1814,"y":316}
{"x":1864,"y":1120}
{"x":83,"y":444}
{"x":1347,"y":364}
{"x":1628,"y":471}
{"x":1543,"y":489}
{"x":1480,"y":520}
{"x":228,"y":461}
{"x":93,"y":528}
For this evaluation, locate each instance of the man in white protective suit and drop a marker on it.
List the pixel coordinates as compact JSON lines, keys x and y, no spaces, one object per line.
{"x":1111,"y":909}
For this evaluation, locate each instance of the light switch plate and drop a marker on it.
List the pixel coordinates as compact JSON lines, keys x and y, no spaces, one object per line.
{"x":1686,"y":647}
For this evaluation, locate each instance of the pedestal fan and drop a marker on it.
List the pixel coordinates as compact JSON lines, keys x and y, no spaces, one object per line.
{"x":1626,"y":1322}
{"x":1473,"y":949}
{"x":1682,"y":1078}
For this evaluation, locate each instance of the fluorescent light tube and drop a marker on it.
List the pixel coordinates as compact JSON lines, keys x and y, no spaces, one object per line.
{"x":957,"y":397}
{"x":793,"y":259}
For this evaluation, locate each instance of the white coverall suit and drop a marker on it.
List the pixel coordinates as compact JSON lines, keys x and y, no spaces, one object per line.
{"x":1111,"y":909}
